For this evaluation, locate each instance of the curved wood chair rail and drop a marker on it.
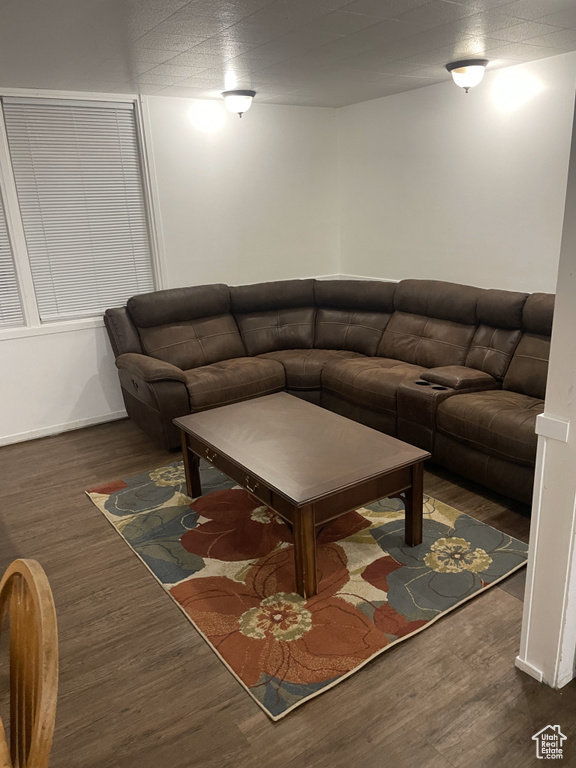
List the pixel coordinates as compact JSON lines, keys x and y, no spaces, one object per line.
{"x":26,"y":595}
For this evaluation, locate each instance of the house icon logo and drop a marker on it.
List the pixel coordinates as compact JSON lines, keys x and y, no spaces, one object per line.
{"x":549,"y":743}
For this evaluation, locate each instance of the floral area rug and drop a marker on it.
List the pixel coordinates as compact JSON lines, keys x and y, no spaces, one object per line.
{"x":228,"y":563}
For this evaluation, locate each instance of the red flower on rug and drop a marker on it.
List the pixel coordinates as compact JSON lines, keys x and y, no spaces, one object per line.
{"x":342,"y":527}
{"x":118,"y":485}
{"x":379,"y":570}
{"x":263,"y":628}
{"x":239,"y":527}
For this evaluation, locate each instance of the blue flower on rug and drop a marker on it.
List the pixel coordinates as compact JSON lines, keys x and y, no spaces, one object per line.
{"x":156,"y":536}
{"x":449,"y":566}
{"x":279,"y":695}
{"x":153,"y":489}
{"x":212,"y":479}
{"x":147,"y":490}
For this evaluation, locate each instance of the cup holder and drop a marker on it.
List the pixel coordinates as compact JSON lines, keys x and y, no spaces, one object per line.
{"x":422,"y":383}
{"x":437,"y":386}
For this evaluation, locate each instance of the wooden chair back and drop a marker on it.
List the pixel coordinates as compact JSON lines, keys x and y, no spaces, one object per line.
{"x":26,"y":596}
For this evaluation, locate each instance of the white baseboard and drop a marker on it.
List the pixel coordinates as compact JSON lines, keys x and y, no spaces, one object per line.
{"x":337,"y":276}
{"x":342,"y":276}
{"x":565,"y":679}
{"x":525,"y":666}
{"x":330,"y":277}
{"x":56,"y":429}
{"x":366,"y":277}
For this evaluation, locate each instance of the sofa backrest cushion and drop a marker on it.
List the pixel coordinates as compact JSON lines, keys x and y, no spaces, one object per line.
{"x":352,"y":314}
{"x":436,"y":298}
{"x":500,"y":316}
{"x":187,"y":327}
{"x":433,"y":324}
{"x":177,"y":304}
{"x":192,"y":343}
{"x":273,"y":316}
{"x":538,"y":314}
{"x":528,"y":369}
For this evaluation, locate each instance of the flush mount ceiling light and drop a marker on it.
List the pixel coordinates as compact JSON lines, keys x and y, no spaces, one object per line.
{"x":238,"y":101}
{"x":467,"y":73}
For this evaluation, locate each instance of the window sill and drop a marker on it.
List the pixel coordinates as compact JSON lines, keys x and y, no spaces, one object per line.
{"x":47,"y":329}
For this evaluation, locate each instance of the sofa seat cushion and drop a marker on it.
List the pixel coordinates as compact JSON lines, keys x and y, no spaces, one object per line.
{"x":496,"y":422}
{"x":303,"y":367}
{"x":369,"y":381}
{"x":231,"y":381}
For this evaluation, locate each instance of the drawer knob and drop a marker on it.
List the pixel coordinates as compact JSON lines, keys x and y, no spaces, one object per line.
{"x":210,"y":455}
{"x":249,"y":486}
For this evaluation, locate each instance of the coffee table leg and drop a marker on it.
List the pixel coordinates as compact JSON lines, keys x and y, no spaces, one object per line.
{"x":305,"y":551}
{"x":413,"y":501}
{"x":191,"y":469}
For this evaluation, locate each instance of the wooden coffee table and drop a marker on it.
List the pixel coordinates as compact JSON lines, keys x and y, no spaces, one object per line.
{"x":306,"y":463}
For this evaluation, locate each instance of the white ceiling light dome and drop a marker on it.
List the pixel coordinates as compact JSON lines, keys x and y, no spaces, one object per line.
{"x":238,"y":101}
{"x":468,"y":72}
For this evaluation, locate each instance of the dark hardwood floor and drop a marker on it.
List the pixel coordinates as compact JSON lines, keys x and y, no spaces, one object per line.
{"x":139,"y":688}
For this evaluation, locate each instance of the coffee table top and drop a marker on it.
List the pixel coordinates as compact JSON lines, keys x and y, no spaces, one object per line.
{"x":301,"y":450}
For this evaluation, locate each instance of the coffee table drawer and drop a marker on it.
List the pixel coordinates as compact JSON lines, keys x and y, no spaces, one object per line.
{"x":231,"y":470}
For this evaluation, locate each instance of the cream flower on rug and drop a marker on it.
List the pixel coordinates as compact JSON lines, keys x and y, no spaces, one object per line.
{"x":168,"y":476}
{"x":442,"y":513}
{"x":453,"y":555}
{"x":385,"y":510}
{"x":378,"y":513}
{"x":213,"y":568}
{"x":282,"y":616}
{"x":265,"y":515}
{"x":361,"y":551}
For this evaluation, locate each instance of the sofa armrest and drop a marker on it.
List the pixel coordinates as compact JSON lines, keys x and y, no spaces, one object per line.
{"x":460,"y":377}
{"x":149,"y":368}
{"x":121,"y":331}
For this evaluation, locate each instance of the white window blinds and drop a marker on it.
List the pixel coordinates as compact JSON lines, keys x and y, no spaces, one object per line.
{"x":79,"y":184}
{"x":10,"y":304}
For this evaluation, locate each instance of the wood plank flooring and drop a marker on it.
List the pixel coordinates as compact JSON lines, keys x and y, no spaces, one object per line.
{"x":139,"y":688}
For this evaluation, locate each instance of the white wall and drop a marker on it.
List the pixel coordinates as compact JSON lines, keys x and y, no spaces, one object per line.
{"x":548,"y":647}
{"x":436,"y":183}
{"x":56,"y":381}
{"x":432,"y":183}
{"x":254,"y":200}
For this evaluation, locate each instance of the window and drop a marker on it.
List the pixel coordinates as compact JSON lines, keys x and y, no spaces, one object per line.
{"x":10,"y":304}
{"x":79,"y":185}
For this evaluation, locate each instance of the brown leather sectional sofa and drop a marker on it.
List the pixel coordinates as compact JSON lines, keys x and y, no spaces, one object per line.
{"x":457,"y":370}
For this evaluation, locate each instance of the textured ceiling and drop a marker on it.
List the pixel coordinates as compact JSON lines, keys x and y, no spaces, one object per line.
{"x":308,"y":52}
